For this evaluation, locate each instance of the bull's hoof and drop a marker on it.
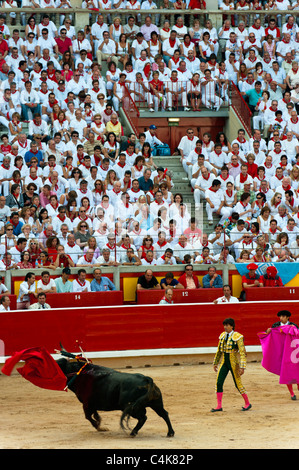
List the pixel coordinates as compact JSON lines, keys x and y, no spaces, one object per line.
{"x":170,"y":434}
{"x":133,"y":434}
{"x":101,"y":429}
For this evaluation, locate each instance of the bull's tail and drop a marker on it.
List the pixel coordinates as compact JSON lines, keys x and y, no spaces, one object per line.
{"x":152,"y":392}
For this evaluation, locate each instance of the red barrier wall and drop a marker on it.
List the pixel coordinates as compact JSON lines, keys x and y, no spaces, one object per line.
{"x":83,"y":299}
{"x":136,"y":327}
{"x":276,"y":293}
{"x":151,"y":296}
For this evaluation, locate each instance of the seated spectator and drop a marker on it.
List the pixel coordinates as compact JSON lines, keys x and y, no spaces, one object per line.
{"x":63,"y":284}
{"x":148,"y":281}
{"x":130,"y":258}
{"x":227,"y":296}
{"x":3,"y":288}
{"x":189,"y":280}
{"x":170,"y":281}
{"x":271,"y":278}
{"x":87,"y":260}
{"x":5,"y":303}
{"x":27,"y":287}
{"x":81,"y":284}
{"x":250,"y":279}
{"x":45,"y":262}
{"x":167,"y":258}
{"x":149,"y":259}
{"x":167,"y":299}
{"x":17,"y":250}
{"x":212,"y":279}
{"x":62,"y":259}
{"x":101,"y":283}
{"x":26,"y":262}
{"x":46,"y":284}
{"x":41,"y":302}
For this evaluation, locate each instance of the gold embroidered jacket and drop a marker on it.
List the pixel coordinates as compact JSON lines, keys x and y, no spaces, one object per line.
{"x":233,"y":346}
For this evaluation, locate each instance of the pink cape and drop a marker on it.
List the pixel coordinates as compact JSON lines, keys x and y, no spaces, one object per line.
{"x":39,"y":369}
{"x":281,"y":353}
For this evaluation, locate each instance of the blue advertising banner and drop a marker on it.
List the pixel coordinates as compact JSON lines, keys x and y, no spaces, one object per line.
{"x":286,"y":271}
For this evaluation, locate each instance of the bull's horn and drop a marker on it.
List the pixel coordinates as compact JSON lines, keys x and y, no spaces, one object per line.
{"x":64,"y":352}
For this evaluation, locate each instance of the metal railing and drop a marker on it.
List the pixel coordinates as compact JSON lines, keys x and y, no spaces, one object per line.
{"x":241,"y":108}
{"x":82,"y":17}
{"x":130,"y":109}
{"x":175,"y":96}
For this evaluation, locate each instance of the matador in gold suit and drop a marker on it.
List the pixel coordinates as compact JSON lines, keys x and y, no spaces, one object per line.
{"x":230,"y":347}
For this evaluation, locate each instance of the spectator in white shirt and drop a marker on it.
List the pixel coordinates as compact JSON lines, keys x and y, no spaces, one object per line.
{"x":106,"y":50}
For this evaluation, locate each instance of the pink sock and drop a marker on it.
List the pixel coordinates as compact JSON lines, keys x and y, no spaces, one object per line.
{"x":245,"y":397}
{"x":290,"y":388}
{"x":219,"y":399}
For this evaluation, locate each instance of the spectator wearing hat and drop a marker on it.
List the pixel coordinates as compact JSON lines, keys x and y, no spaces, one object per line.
{"x":250,"y":279}
{"x":151,"y":136}
{"x":284,"y":319}
{"x":271,"y":278}
{"x":63,"y":284}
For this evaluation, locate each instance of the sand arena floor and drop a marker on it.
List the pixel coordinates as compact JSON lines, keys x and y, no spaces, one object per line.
{"x":34,"y":418}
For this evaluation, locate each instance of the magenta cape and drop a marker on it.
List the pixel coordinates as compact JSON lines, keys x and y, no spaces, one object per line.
{"x":281,"y":353}
{"x":39,"y":368}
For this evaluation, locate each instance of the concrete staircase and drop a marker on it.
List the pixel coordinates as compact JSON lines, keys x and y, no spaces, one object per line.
{"x":181,"y":185}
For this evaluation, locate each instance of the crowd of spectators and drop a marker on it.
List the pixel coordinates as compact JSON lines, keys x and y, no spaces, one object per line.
{"x":78,"y":192}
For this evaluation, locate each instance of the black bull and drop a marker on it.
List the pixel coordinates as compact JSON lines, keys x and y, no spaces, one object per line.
{"x":104,"y":389}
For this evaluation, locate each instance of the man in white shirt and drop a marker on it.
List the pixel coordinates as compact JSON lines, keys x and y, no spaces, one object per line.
{"x":30,"y":101}
{"x":106,"y":50}
{"x":71,"y":248}
{"x":97,"y":30}
{"x":203,"y":182}
{"x":46,"y":284}
{"x":80,"y":125}
{"x":46,"y":42}
{"x":5,"y":303}
{"x":186,"y":145}
{"x":215,"y":202}
{"x":151,"y":137}
{"x":227,"y":296}
{"x":182,"y":248}
{"x":81,"y":284}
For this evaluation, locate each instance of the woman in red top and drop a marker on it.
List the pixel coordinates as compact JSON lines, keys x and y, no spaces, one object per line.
{"x":44,"y":261}
{"x":147,"y":244}
{"x":252,"y":167}
{"x":157,"y":93}
{"x":51,"y":245}
{"x":197,"y":4}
